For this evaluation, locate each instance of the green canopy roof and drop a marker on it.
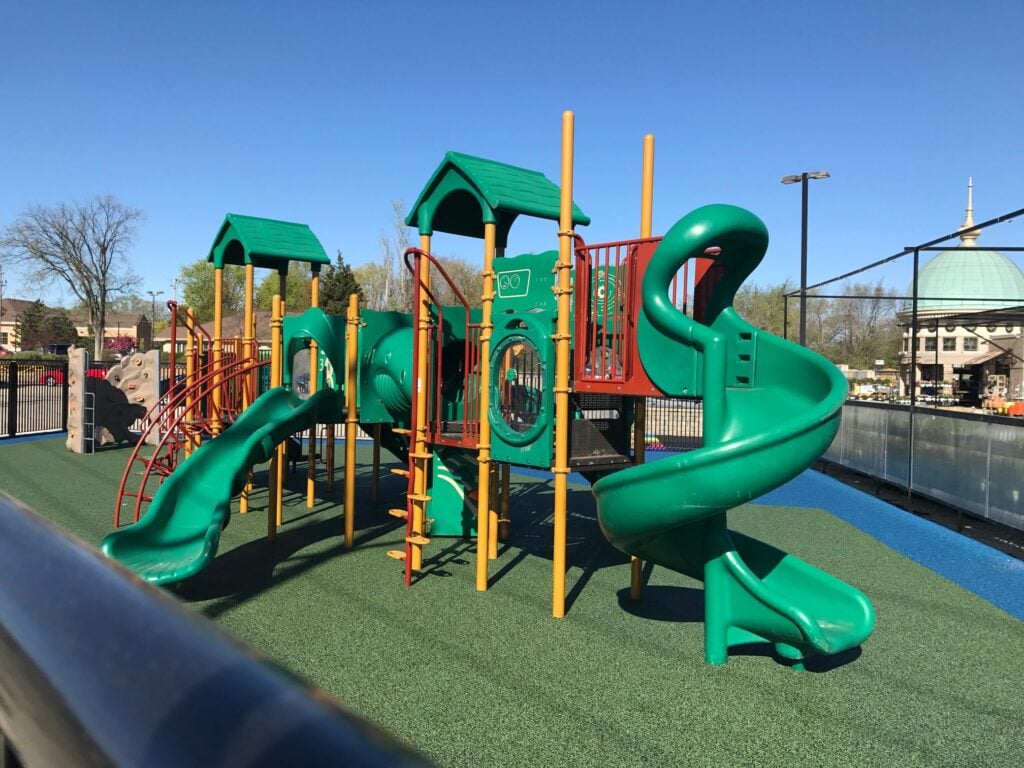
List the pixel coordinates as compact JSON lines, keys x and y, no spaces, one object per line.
{"x":466,"y":192}
{"x":266,"y":243}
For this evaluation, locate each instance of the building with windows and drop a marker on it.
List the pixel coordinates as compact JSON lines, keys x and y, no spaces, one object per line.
{"x":970,"y":315}
{"x":118,"y":325}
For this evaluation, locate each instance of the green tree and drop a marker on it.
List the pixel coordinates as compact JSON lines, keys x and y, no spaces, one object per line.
{"x":60,"y":329}
{"x":83,"y":245}
{"x":764,"y":307}
{"x":38,"y":326}
{"x":337,"y":283}
{"x":863,"y":327}
{"x":467,"y":277}
{"x":197,"y":282}
{"x":373,"y":284}
{"x":297,"y":290}
{"x":30,"y":327}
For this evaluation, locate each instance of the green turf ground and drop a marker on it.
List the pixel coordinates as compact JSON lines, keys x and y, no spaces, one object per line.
{"x":491,"y":679}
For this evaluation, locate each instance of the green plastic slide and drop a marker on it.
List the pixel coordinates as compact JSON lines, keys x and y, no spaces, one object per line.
{"x":179,"y":534}
{"x":771,"y":408}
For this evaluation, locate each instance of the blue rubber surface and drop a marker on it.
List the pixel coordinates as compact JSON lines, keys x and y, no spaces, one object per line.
{"x":978,"y":568}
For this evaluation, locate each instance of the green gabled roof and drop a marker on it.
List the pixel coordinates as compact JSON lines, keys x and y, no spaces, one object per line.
{"x":466,"y":192}
{"x":266,"y":243}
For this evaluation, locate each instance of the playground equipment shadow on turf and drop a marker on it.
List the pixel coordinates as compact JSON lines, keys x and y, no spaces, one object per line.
{"x":242,"y":573}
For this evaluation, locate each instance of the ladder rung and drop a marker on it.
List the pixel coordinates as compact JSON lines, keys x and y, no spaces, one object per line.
{"x":401,"y":431}
{"x":417,"y":497}
{"x":418,"y":540}
{"x":399,"y":513}
{"x":400,"y":472}
{"x":421,"y":455}
{"x":396,"y":554}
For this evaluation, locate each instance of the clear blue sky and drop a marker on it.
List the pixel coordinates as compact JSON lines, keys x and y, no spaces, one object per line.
{"x":325,"y":112}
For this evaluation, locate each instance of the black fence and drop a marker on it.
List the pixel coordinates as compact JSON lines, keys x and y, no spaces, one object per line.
{"x":674,"y":424}
{"x":102,"y":669}
{"x":33,"y":397}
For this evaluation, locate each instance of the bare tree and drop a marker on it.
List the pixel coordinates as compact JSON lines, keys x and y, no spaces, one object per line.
{"x":82,"y":245}
{"x":397,"y":293}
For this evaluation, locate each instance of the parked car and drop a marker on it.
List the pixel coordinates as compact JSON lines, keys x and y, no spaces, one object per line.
{"x":56,"y":376}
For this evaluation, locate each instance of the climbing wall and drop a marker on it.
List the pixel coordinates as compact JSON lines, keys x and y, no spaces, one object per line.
{"x":130,"y":389}
{"x":78,"y":362}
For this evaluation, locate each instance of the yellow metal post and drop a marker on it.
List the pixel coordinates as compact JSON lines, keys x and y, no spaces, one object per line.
{"x":420,"y":455}
{"x":276,"y":462}
{"x":503,"y":521}
{"x":352,"y":416}
{"x":492,"y":513}
{"x":190,"y":379}
{"x":375,"y":480}
{"x":282,"y":449}
{"x":483,"y":506}
{"x":329,"y":457}
{"x":314,"y":358}
{"x":249,"y":352}
{"x":218,"y":329}
{"x":562,"y":291}
{"x":640,"y":419}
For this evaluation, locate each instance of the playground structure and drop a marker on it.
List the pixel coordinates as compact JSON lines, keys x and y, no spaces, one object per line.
{"x":549,"y":373}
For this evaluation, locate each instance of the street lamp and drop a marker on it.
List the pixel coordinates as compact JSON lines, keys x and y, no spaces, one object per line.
{"x":3,"y":284}
{"x":152,"y":296}
{"x":802,"y":178}
{"x":152,"y":318}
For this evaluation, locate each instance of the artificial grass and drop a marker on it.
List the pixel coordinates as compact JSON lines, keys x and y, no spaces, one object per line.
{"x":490,"y":679}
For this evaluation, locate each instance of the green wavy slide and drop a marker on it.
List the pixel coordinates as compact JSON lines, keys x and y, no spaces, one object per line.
{"x":771,"y":408}
{"x":180,"y":532}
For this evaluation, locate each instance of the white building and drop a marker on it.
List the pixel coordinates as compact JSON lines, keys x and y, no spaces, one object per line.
{"x":970,"y":304}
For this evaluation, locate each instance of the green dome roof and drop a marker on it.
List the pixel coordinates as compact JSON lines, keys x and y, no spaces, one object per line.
{"x":979,"y":279}
{"x":968,"y":274}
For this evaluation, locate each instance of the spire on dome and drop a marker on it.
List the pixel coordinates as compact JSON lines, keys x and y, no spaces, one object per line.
{"x":968,"y":235}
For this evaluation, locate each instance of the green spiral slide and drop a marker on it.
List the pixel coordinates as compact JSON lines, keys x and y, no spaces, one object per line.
{"x":771,"y":408}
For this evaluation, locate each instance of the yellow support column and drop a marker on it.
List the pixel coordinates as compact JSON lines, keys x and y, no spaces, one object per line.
{"x":276,"y":462}
{"x":420,"y":455}
{"x":492,"y":513}
{"x":483,"y":506}
{"x":282,"y":449}
{"x":640,"y":421}
{"x":352,"y":415}
{"x":190,"y":379}
{"x":218,"y":329}
{"x":248,"y":350}
{"x":329,"y":457}
{"x":314,"y":360}
{"x":503,"y":521}
{"x":562,"y":291}
{"x":375,"y":480}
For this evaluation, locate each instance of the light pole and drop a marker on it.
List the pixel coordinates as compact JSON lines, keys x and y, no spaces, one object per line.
{"x":152,"y":318}
{"x":152,"y":296}
{"x":3,"y":283}
{"x":802,"y":178}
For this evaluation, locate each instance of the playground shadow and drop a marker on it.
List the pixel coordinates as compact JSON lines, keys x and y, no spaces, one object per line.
{"x":531,"y":530}
{"x":245,"y":571}
{"x":665,"y":603}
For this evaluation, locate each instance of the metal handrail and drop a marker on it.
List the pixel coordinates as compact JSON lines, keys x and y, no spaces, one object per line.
{"x":470,"y":423}
{"x":100,"y":669}
{"x":237,"y":369}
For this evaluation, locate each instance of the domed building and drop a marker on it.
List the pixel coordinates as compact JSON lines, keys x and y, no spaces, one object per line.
{"x":970,"y":304}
